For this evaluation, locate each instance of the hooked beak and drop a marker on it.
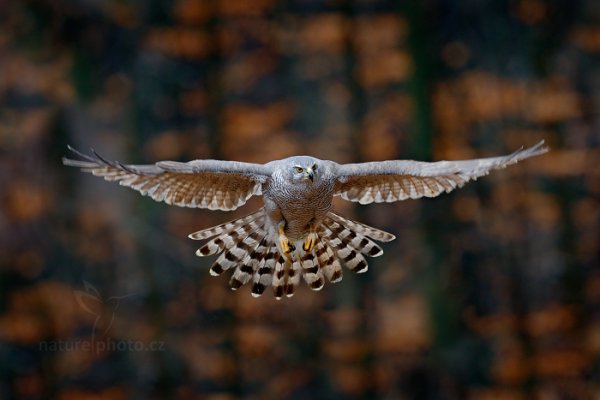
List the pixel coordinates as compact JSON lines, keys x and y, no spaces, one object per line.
{"x":309,"y":174}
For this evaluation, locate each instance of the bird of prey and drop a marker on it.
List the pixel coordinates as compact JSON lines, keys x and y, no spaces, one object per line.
{"x":296,"y":233}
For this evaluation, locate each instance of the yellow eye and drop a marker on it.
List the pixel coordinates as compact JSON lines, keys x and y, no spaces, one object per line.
{"x":299,"y":169}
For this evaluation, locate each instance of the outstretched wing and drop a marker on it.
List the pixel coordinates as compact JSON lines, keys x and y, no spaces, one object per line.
{"x":212,"y":184}
{"x":389,"y":181}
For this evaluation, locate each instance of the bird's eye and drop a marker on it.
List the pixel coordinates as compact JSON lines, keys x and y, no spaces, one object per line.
{"x":299,"y":169}
{"x":314,"y":167}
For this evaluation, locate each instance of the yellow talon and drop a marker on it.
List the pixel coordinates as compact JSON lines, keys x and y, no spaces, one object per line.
{"x":310,"y":242}
{"x":284,"y":242}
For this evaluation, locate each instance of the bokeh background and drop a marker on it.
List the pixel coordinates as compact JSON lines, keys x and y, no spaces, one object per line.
{"x":491,"y":292}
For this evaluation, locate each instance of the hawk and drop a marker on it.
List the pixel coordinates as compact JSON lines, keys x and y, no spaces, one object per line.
{"x":296,"y":233}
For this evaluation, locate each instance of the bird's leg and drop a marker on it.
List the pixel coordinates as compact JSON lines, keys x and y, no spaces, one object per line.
{"x":284,"y":242}
{"x":311,"y":239}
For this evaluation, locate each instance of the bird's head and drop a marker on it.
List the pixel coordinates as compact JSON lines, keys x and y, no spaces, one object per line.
{"x":304,"y":169}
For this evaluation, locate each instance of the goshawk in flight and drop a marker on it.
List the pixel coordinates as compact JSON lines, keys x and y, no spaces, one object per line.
{"x":296,"y":232}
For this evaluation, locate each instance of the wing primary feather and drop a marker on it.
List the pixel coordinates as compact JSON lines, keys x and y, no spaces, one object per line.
{"x":80,"y":154}
{"x":103,"y":160}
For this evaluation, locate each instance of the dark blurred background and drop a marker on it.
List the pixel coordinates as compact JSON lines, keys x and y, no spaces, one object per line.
{"x":491,"y":292}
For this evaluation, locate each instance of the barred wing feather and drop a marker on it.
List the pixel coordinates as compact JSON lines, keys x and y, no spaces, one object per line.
{"x":212,"y":184}
{"x":389,"y":181}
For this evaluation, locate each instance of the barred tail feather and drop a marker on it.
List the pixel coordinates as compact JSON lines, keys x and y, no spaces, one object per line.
{"x":359,"y":227}
{"x":235,"y":242}
{"x":280,"y":276}
{"x":236,"y":255}
{"x":249,"y":265}
{"x":311,"y":271}
{"x":350,"y":256}
{"x":353,"y":239}
{"x":263,"y":276}
{"x":226,"y":227}
{"x":230,"y":238}
{"x":293,"y":277}
{"x":328,"y":262}
{"x":350,"y":241}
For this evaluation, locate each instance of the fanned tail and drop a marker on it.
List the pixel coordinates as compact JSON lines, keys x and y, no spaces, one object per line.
{"x":248,"y":247}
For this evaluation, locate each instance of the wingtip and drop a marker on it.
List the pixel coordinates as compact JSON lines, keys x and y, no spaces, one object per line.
{"x":80,"y":154}
{"x":522,"y":153}
{"x":68,"y":162}
{"x":538,"y":148}
{"x":76,"y":163}
{"x":543,"y":147}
